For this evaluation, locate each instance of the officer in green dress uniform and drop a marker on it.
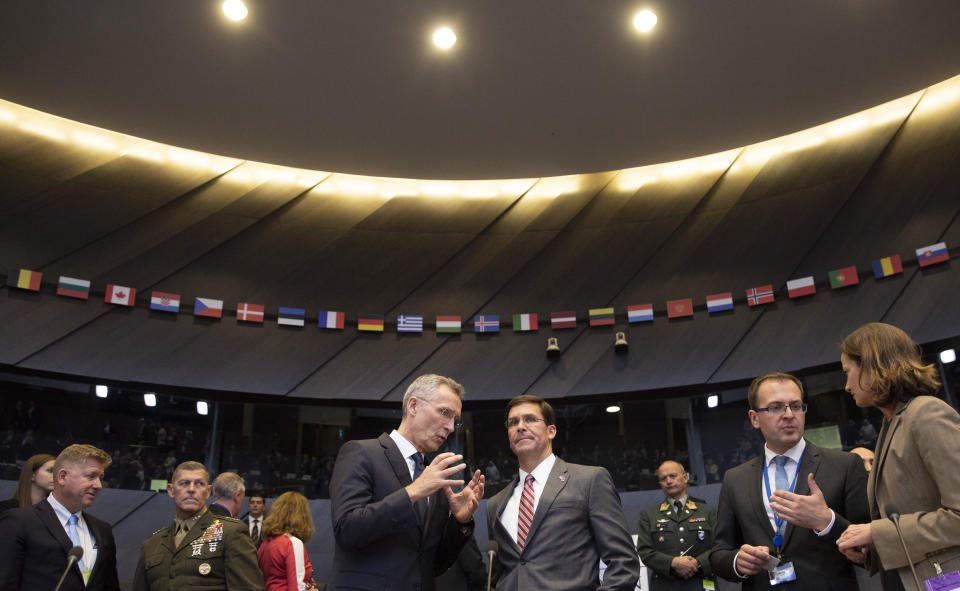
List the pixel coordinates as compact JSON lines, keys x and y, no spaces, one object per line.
{"x":199,"y":550}
{"x":674,"y":537}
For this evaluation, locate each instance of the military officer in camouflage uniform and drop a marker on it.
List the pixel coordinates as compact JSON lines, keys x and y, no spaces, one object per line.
{"x":199,"y":550}
{"x":674,"y":537}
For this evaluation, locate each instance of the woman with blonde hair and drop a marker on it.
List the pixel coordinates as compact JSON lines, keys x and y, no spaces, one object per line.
{"x":35,"y":483}
{"x":283,"y":557}
{"x":915,"y":473}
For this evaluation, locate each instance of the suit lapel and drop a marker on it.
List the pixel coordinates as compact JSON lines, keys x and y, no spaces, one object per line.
{"x":886,"y":435}
{"x":551,"y":488}
{"x":498,"y":507}
{"x":50,"y":520}
{"x":397,"y":462}
{"x":755,"y":494}
{"x":809,"y":463}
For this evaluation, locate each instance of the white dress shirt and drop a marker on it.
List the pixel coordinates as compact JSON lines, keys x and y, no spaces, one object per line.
{"x":407,"y":450}
{"x":87,"y":542}
{"x":510,"y":517}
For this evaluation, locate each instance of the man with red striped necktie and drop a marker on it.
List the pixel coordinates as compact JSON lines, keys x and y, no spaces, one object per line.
{"x":556,"y":521}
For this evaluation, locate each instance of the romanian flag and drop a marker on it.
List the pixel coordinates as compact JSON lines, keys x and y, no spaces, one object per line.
{"x":24,"y":279}
{"x":601,"y":316}
{"x":370,"y":322}
{"x":887,"y":266}
{"x":843,"y":277}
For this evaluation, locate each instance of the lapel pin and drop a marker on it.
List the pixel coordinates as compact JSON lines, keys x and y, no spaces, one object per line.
{"x":562,"y":477}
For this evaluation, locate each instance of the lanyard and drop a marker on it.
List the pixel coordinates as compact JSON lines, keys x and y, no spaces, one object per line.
{"x":778,"y":538}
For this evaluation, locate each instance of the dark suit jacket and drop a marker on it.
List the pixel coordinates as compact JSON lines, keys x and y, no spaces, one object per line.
{"x":33,"y":552}
{"x":259,"y":541}
{"x":380,"y":541}
{"x":220,"y":510}
{"x":579,"y":521}
{"x":742,"y":519}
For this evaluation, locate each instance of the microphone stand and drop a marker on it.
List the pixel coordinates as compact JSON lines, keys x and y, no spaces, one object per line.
{"x":895,"y":517}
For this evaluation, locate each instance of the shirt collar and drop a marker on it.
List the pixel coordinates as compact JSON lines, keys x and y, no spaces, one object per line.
{"x":542,"y":471}
{"x":63,"y":514}
{"x":407,"y":449}
{"x":189,"y":522}
{"x":683,"y":499}
{"x":794,"y":453}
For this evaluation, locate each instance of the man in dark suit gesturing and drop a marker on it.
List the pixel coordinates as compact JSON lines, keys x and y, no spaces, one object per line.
{"x":803,"y":480}
{"x":34,"y":541}
{"x":396,"y":521}
{"x":556,"y":521}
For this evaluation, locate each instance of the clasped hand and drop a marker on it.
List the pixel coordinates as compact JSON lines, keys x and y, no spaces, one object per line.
{"x":684,"y":566}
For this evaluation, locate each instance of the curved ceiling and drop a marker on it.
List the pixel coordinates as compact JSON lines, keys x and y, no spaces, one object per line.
{"x":532,"y":88}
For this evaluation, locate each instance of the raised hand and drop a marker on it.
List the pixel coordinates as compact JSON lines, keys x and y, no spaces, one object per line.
{"x":436,"y":476}
{"x":808,"y":511}
{"x":465,"y":502}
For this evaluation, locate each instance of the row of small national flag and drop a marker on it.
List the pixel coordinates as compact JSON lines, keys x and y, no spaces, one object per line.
{"x":288,"y":316}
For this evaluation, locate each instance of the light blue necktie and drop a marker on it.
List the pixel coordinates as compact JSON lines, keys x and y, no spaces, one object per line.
{"x":72,"y":529}
{"x":781,"y":476}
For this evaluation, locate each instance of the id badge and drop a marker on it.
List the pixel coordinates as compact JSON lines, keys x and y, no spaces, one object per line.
{"x":709,"y":585}
{"x":782,"y":574}
{"x":944,"y":582}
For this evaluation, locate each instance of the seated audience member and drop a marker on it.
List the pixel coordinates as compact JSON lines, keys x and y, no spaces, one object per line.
{"x":282,"y":555}
{"x":35,"y":540}
{"x":35,"y":483}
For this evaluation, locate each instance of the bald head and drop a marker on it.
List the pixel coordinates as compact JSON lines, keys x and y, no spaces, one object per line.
{"x":866,"y":455}
{"x":673,"y":479}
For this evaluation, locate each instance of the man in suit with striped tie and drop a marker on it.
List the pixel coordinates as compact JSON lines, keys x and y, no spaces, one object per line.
{"x":556,"y":521}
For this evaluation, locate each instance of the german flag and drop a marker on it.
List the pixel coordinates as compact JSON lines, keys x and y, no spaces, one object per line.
{"x":370,"y":322}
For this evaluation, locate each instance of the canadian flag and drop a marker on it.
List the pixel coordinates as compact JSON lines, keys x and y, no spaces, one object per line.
{"x":118,"y":294}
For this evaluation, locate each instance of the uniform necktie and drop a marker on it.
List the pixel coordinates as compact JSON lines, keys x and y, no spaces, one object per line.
{"x":72,"y":529}
{"x":181,"y":533}
{"x":525,"y":517}
{"x":255,"y":533}
{"x":781,"y":476}
{"x":679,"y":506}
{"x":417,"y":465}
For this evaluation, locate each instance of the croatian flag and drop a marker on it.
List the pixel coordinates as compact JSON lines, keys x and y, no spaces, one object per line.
{"x":165,"y":302}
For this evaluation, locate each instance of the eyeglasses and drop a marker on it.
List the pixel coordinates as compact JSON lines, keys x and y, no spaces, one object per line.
{"x":528,"y":421}
{"x":778,"y":408}
{"x":446,"y":413}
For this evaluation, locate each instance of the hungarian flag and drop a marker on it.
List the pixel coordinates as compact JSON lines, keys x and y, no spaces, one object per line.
{"x":448,"y":324}
{"x":933,"y":254}
{"x":370,"y":322}
{"x":804,"y":286}
{"x":330,"y":319}
{"x":524,"y":322}
{"x":679,"y":308}
{"x":843,"y":277}
{"x":120,"y":295}
{"x":73,"y":288}
{"x":719,"y":302}
{"x":165,"y":302}
{"x":488,"y":323}
{"x":24,"y":279}
{"x":291,"y":316}
{"x":208,"y":307}
{"x":566,"y":319}
{"x":601,"y":316}
{"x":249,"y":312}
{"x":762,"y":294}
{"x":640,"y":313}
{"x":887,"y":266}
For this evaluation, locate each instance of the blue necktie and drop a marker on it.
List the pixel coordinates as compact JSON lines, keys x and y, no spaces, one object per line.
{"x":417,"y":465}
{"x":72,"y":529}
{"x":781,"y":477}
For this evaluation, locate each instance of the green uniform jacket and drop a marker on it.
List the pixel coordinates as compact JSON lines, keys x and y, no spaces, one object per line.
{"x":216,"y":554}
{"x":662,"y":535}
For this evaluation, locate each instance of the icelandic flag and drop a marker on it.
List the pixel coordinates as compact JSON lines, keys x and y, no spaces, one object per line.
{"x":208,"y":307}
{"x":933,"y":254}
{"x":490,"y":323}
{"x":719,"y":302}
{"x":408,"y":323}
{"x":640,"y":313}
{"x":330,"y":319}
{"x":165,"y":302}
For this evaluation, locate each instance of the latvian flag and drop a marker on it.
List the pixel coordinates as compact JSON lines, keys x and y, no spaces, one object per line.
{"x":489,"y":323}
{"x":719,"y":302}
{"x":448,"y":324}
{"x":208,"y":307}
{"x":566,"y":319}
{"x":165,"y":302}
{"x":409,"y":323}
{"x":524,"y":322}
{"x":843,"y":277}
{"x":601,"y":316}
{"x":797,"y":288}
{"x":760,"y":295}
{"x":330,"y":319}
{"x":73,"y":288}
{"x":24,"y":279}
{"x":370,"y":322}
{"x":120,"y":295}
{"x":291,"y":316}
{"x":640,"y":313}
{"x":249,"y":312}
{"x":887,"y":266}
{"x":679,"y":308}
{"x":933,"y":254}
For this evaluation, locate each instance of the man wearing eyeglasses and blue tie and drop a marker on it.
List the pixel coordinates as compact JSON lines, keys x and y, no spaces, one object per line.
{"x":788,"y":543}
{"x":396,"y":520}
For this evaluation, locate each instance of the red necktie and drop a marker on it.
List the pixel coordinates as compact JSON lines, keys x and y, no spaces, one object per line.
{"x":526,"y":512}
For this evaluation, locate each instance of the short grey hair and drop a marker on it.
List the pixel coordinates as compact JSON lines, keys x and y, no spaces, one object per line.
{"x":190,"y":466}
{"x":227,"y":485}
{"x":425,"y":388}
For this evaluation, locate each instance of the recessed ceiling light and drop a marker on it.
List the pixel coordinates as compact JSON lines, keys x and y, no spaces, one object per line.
{"x":235,"y":10}
{"x":645,"y":21}
{"x":444,"y":38}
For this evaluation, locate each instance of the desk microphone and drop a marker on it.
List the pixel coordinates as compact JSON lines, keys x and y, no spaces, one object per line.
{"x":73,"y":557}
{"x":492,"y":548}
{"x":895,"y":518}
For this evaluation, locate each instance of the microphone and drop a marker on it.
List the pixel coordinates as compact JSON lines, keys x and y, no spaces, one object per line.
{"x":73,"y":557}
{"x":492,"y":548}
{"x":895,"y":518}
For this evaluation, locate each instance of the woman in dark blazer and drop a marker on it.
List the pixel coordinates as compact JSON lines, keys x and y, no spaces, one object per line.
{"x":916,"y":471}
